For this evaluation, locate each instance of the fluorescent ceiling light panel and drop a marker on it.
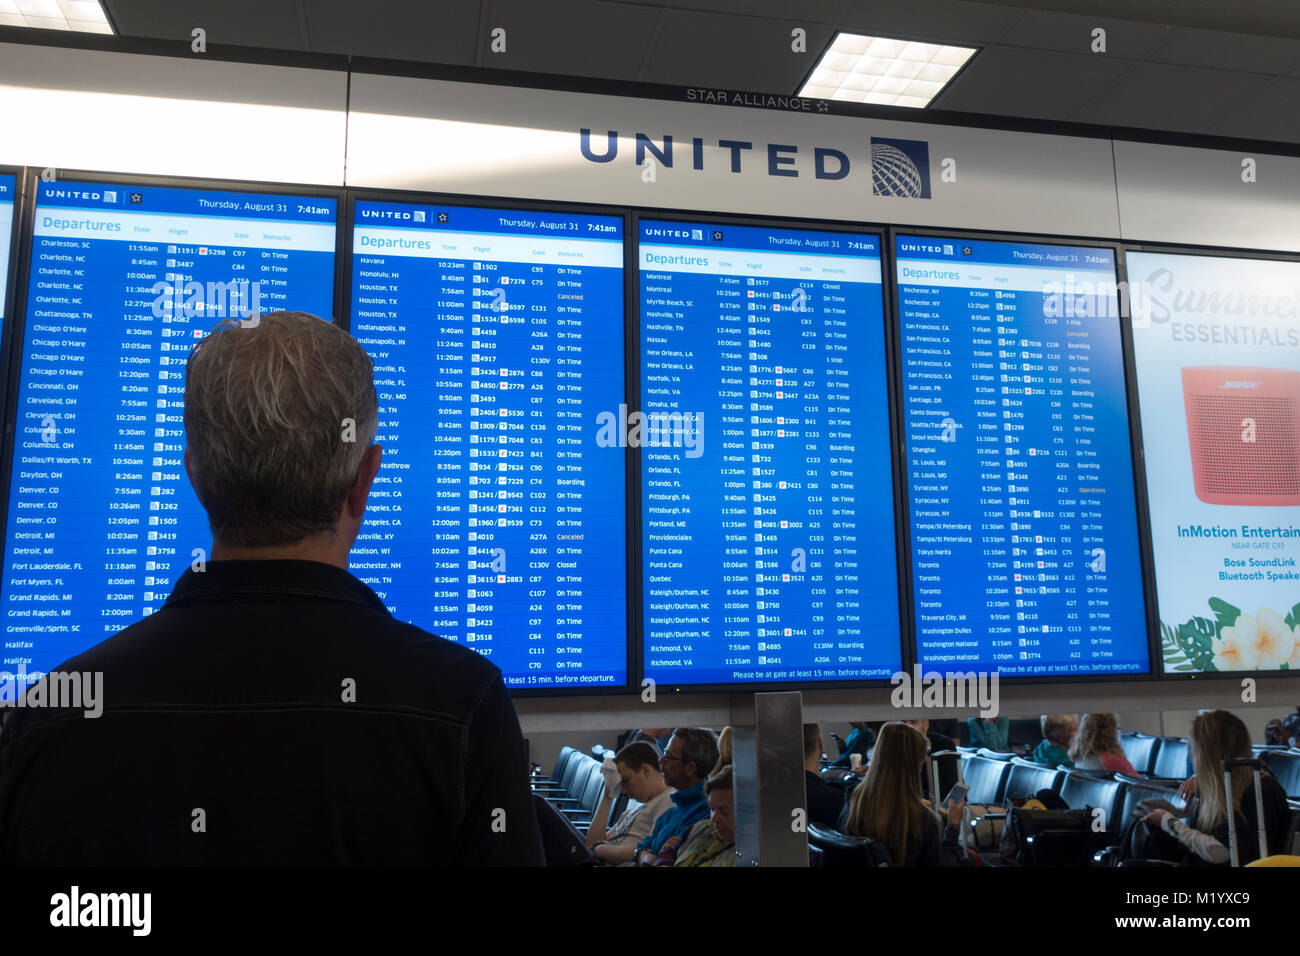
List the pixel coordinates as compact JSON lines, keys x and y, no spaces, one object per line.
{"x":863,"y":69}
{"x":84,"y":16}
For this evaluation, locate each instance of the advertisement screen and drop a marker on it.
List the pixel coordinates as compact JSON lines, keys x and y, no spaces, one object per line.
{"x":1217,"y":346}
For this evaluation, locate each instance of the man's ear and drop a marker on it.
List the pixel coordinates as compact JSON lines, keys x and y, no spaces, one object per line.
{"x":360,"y":492}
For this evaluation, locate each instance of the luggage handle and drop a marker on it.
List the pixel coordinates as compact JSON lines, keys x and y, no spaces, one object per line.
{"x":1256,"y":766}
{"x":934,"y":794}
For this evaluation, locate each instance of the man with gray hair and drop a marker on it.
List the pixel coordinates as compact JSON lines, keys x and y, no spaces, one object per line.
{"x":686,"y":763}
{"x":272,"y":711}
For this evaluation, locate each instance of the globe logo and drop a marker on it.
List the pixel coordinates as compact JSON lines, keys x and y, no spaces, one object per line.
{"x":894,"y":173}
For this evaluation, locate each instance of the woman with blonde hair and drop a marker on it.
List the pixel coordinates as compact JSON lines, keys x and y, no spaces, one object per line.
{"x":724,"y":751}
{"x":887,"y":805}
{"x":1217,"y":736}
{"x":1096,"y":746}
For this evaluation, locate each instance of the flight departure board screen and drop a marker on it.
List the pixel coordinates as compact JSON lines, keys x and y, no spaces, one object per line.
{"x":497,"y":518}
{"x":124,"y":280}
{"x":766,"y":484}
{"x":8,"y":189}
{"x":1020,"y":477}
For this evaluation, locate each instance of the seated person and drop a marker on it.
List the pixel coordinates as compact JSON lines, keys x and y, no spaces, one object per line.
{"x":861,"y":739}
{"x":1291,"y":729}
{"x":1274,"y":735}
{"x":887,"y":805}
{"x":655,"y":735}
{"x":1096,"y":746}
{"x":636,"y":773}
{"x":949,"y":727}
{"x":711,"y":842}
{"x":1058,"y":733}
{"x":1217,"y":736}
{"x":946,"y":769}
{"x":991,"y":734}
{"x":825,"y":799}
{"x":724,"y":751}
{"x":691,"y":753}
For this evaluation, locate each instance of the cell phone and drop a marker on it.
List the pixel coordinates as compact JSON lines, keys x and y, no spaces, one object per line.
{"x":957,"y":793}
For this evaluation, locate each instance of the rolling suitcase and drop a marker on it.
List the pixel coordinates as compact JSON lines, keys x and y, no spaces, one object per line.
{"x":1257,"y":766}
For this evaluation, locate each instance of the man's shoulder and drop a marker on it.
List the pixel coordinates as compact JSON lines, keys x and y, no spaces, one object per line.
{"x":363,"y":629}
{"x":350,"y":655}
{"x":657,"y":804}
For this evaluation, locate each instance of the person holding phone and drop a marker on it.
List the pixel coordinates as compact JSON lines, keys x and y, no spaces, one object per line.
{"x":1217,"y":736}
{"x":860,"y":741}
{"x":887,"y":805}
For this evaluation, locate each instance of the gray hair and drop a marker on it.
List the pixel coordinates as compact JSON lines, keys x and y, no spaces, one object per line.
{"x":267,"y":412}
{"x":699,"y":746}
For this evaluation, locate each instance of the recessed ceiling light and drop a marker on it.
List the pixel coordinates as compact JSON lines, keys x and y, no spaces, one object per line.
{"x":84,"y":16}
{"x":864,"y":69}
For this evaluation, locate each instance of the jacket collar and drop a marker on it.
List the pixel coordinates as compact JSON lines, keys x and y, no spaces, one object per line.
{"x":690,"y":795}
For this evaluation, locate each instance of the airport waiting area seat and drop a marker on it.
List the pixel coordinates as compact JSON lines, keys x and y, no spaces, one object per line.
{"x":1099,"y":791}
{"x":986,"y":778}
{"x":836,"y":850}
{"x":576,"y":790}
{"x":1285,"y":765}
{"x":1026,"y":778}
{"x":1140,"y":749}
{"x":1173,"y":759}
{"x":541,"y":780}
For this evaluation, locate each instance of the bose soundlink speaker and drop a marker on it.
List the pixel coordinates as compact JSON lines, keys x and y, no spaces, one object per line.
{"x":1243,"y":429}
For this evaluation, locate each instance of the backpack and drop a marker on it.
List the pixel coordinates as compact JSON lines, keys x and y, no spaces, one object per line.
{"x":989,"y":823}
{"x":1035,"y":836}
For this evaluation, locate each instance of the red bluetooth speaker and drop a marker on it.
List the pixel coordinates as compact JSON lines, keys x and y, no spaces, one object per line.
{"x":1243,"y":429}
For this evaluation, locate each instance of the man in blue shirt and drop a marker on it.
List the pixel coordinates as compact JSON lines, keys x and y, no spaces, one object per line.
{"x":687,"y":761}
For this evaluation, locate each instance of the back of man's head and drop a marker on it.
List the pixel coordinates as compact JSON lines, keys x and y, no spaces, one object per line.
{"x":278,"y":414}
{"x":699,"y":746}
{"x":812,"y":739}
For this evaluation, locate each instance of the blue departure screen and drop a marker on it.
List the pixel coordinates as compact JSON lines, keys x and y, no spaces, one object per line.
{"x":497,"y":517}
{"x":767,"y":496}
{"x":1020,"y":475}
{"x":8,"y":188}
{"x":123,"y":281}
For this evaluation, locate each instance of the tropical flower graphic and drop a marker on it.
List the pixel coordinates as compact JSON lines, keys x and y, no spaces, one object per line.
{"x":1274,"y":640}
{"x":1232,"y":641}
{"x":1235,"y":651}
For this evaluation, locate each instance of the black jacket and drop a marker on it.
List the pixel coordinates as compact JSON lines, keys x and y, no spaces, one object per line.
{"x":825,"y":800}
{"x":227,"y":737}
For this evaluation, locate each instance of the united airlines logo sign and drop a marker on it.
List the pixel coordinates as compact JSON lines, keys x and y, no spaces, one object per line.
{"x":900,"y":167}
